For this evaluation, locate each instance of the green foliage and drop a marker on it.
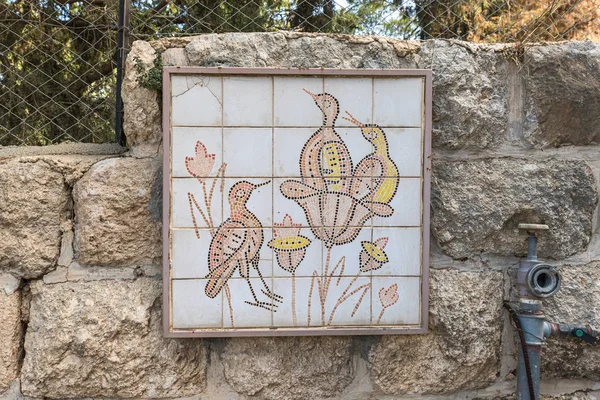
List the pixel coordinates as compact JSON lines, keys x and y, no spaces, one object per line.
{"x":150,"y":78}
{"x":58,"y":57}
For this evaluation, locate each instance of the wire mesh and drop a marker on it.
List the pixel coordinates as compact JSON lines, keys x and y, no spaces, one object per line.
{"x":58,"y":58}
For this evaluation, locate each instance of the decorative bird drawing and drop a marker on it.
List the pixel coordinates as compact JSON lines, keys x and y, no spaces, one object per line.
{"x":236,"y":245}
{"x":376,"y":175}
{"x":325,"y":154}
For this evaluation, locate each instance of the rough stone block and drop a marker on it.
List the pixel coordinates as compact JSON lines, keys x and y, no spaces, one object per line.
{"x":562,"y":86}
{"x":142,"y":123}
{"x":299,"y":51}
{"x":34,"y":201}
{"x":104,"y":339}
{"x":289,"y":368}
{"x":577,"y":302}
{"x":477,"y":205}
{"x":470,"y":101}
{"x":460,"y":352}
{"x":10,"y":337}
{"x":118,"y":213}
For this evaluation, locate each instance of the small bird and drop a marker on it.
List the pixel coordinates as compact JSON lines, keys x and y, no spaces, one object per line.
{"x":325,"y":154}
{"x":376,"y":175}
{"x":236,"y":245}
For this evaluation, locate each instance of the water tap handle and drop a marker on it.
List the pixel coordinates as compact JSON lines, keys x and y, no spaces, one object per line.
{"x":532,"y":240}
{"x":584,"y":334}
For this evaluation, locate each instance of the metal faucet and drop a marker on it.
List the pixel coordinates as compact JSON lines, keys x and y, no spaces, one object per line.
{"x":535,"y":281}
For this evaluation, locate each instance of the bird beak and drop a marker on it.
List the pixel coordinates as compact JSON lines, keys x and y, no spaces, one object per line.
{"x":353,"y":120}
{"x":314,"y":96}
{"x":262,"y":184}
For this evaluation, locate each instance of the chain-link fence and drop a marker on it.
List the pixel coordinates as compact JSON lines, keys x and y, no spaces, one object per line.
{"x":59,"y":59}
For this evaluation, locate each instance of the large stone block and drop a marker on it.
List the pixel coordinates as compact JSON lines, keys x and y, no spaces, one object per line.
{"x":10,"y":337}
{"x":578,"y":301}
{"x":34,"y":201}
{"x":142,"y":122}
{"x":562,"y":83}
{"x":477,"y":205}
{"x":118,"y":213}
{"x":289,"y":368}
{"x":299,"y":51}
{"x":460,"y":352}
{"x":470,"y":101}
{"x":104,"y":339}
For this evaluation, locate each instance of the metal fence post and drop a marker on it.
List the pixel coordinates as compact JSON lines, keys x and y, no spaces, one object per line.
{"x":122,"y":43}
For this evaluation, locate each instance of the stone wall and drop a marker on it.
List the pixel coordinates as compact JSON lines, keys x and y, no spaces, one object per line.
{"x":515,"y":139}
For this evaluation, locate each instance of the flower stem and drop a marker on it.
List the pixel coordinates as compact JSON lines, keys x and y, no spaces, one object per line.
{"x":380,"y":315}
{"x":228,"y":294}
{"x":294,"y":299}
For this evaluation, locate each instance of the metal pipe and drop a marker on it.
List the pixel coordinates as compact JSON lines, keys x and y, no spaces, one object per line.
{"x":532,"y":247}
{"x":534,"y":362}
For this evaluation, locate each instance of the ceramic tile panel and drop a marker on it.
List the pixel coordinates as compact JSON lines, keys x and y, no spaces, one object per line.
{"x":355,"y":96}
{"x":257,"y":194}
{"x":398,"y":102}
{"x":295,"y":202}
{"x":405,"y":148}
{"x":196,"y":151}
{"x":188,"y":92}
{"x":348,"y":301}
{"x":252,"y":303}
{"x":248,"y":151}
{"x":406,"y":205}
{"x":193,"y":308}
{"x":190,"y":198}
{"x":296,"y":250}
{"x":247,"y":101}
{"x":189,"y":253}
{"x":396,"y":300}
{"x":294,"y":103}
{"x":300,"y":306}
{"x":401,"y":249}
{"x":288,"y":145}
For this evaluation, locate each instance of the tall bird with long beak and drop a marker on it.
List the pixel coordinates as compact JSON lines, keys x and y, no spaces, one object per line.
{"x":236,"y":245}
{"x":376,"y":176}
{"x":325,"y":154}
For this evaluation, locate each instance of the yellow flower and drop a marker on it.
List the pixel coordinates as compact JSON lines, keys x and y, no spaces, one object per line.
{"x":372,"y":255}
{"x":289,"y":245}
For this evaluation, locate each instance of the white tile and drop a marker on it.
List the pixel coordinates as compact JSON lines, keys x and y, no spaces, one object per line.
{"x":248,"y":151}
{"x":406,"y":204}
{"x":184,"y":145}
{"x":192,"y":308}
{"x":189,"y":257}
{"x":248,"y":101}
{"x":284,"y":316}
{"x":312,"y":260}
{"x":260,"y":202}
{"x":403,"y":250}
{"x":398,"y":101}
{"x":292,"y":105}
{"x":357,"y":145}
{"x":181,"y":212}
{"x":196,"y":100}
{"x":283,"y":205}
{"x":287,"y":148}
{"x":354,"y":95}
{"x":355,"y":309}
{"x":244,"y":314}
{"x":406,"y":310}
{"x":405,"y":150}
{"x":350,"y":252}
